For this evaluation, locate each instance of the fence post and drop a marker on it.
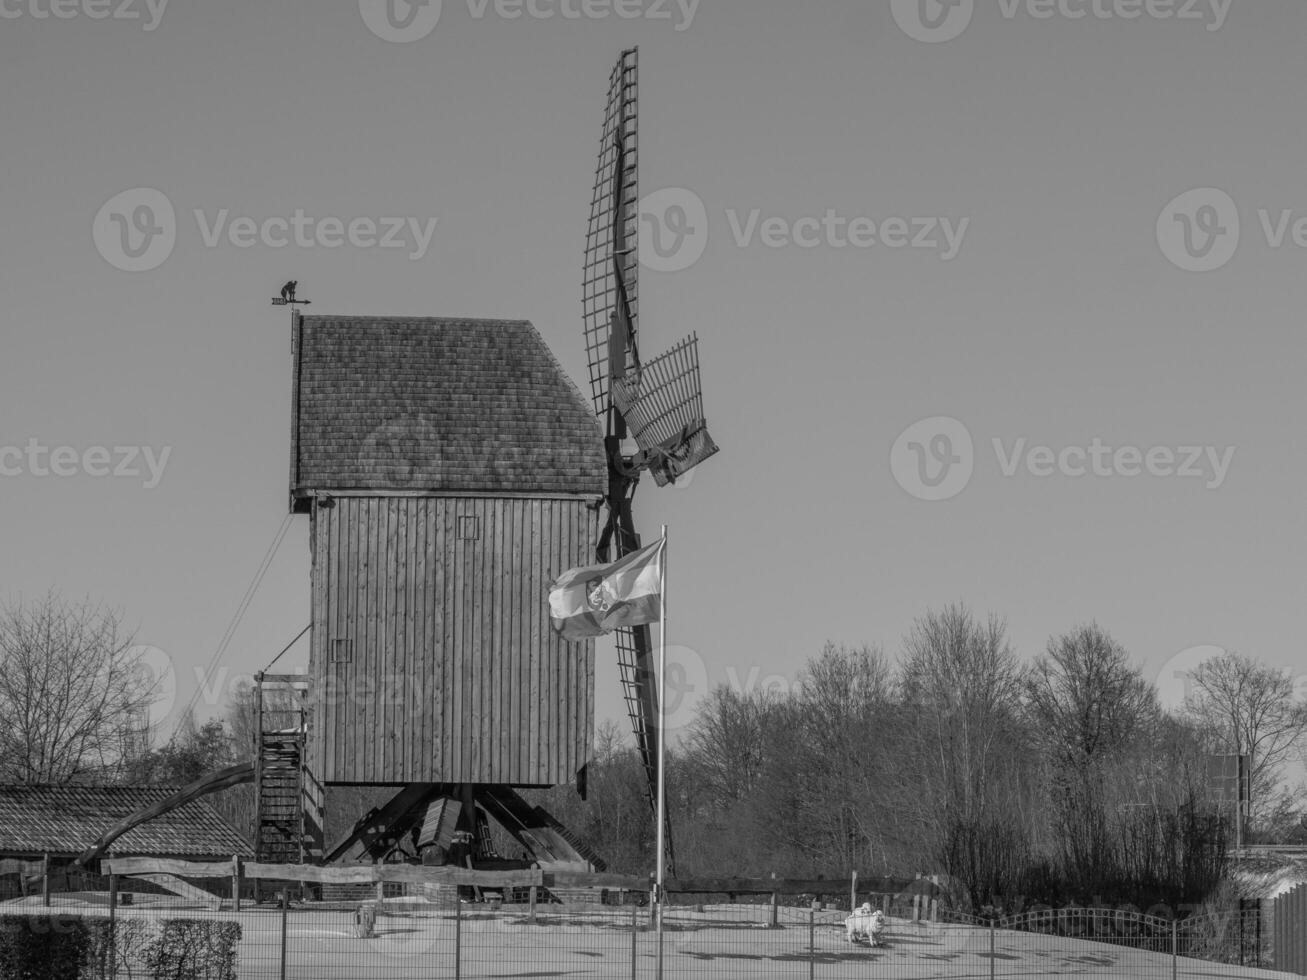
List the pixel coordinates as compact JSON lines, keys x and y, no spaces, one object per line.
{"x":634,"y":928}
{"x":775,"y":911}
{"x":285,"y":911}
{"x":45,"y":881}
{"x":458,"y":936}
{"x":853,"y":892}
{"x":1175,"y":949}
{"x":993,"y":960}
{"x":235,"y":883}
{"x":532,"y":917}
{"x":812,"y":943}
{"x":112,"y":951}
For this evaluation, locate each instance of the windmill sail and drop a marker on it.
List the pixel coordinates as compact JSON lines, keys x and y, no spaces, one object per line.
{"x":662,"y":403}
{"x":610,"y":290}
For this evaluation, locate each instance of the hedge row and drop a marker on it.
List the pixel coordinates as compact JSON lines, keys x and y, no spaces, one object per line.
{"x":71,"y":947}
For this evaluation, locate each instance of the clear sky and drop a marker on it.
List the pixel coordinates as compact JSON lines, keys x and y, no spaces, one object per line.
{"x":1052,"y":146}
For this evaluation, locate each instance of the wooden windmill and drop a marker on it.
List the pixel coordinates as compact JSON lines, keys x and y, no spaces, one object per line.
{"x":449,"y":469}
{"x":658,"y":403}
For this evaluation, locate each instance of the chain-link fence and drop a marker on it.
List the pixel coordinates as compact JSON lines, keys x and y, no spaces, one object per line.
{"x":416,"y":938}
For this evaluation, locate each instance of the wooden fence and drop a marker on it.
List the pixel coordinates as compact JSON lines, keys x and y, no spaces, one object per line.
{"x":1291,"y":931}
{"x":172,"y":874}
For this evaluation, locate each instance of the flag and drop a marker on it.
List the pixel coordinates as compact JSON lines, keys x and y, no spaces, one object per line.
{"x":592,"y":601}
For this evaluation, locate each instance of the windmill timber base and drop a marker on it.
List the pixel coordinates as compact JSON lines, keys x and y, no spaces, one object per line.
{"x":441,"y":824}
{"x":435,"y":824}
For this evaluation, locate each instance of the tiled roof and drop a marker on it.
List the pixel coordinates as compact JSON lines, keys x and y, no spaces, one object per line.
{"x":425,"y":404}
{"x":62,"y":820}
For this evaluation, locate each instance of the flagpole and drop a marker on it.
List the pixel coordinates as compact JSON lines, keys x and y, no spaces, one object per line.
{"x":662,"y":756}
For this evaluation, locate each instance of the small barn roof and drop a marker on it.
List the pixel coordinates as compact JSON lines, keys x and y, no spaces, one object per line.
{"x":66,"y":820}
{"x":395,"y":404}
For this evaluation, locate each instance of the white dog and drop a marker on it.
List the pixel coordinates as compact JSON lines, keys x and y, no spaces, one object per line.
{"x":864,"y":922}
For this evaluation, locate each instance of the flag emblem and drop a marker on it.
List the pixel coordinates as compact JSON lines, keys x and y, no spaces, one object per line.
{"x":587,"y":602}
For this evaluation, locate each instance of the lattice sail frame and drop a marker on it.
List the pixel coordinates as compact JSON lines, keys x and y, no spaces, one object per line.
{"x":613,"y":238}
{"x":662,"y":402}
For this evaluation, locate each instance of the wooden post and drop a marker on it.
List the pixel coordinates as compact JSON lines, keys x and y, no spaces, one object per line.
{"x":532,"y":900}
{"x":884,"y":904}
{"x":853,"y":892}
{"x":235,"y":883}
{"x":934,"y":910}
{"x":113,"y":896}
{"x":45,"y":881}
{"x":775,"y":911}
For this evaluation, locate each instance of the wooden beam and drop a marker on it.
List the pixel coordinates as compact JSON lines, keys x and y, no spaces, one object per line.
{"x":166,"y":866}
{"x":27,"y":868}
{"x":212,"y":783}
{"x":409,"y":874}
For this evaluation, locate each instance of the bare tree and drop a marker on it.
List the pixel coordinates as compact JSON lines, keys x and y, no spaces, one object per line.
{"x":1249,"y":708}
{"x":70,"y":689}
{"x":1086,"y":700}
{"x":969,"y":758}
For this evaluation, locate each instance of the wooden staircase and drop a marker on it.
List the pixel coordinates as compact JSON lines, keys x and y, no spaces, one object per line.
{"x":279,"y":829}
{"x":288,"y":800}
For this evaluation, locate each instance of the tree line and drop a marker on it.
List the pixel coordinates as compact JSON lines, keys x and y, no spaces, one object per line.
{"x":1059,"y":779}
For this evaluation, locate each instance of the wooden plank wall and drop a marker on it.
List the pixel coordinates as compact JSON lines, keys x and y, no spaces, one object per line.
{"x":454,"y":674}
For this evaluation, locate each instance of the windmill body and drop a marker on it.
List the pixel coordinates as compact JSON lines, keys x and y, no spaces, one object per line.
{"x":449,"y":470}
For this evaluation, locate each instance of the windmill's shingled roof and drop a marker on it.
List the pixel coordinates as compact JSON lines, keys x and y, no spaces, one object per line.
{"x":435,"y":404}
{"x":66,"y":820}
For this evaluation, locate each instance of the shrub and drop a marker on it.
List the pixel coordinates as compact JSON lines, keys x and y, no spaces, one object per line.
{"x":193,"y":949}
{"x":45,"y":947}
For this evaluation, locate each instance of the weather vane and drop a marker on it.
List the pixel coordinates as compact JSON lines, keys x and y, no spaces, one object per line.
{"x":287,"y":297}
